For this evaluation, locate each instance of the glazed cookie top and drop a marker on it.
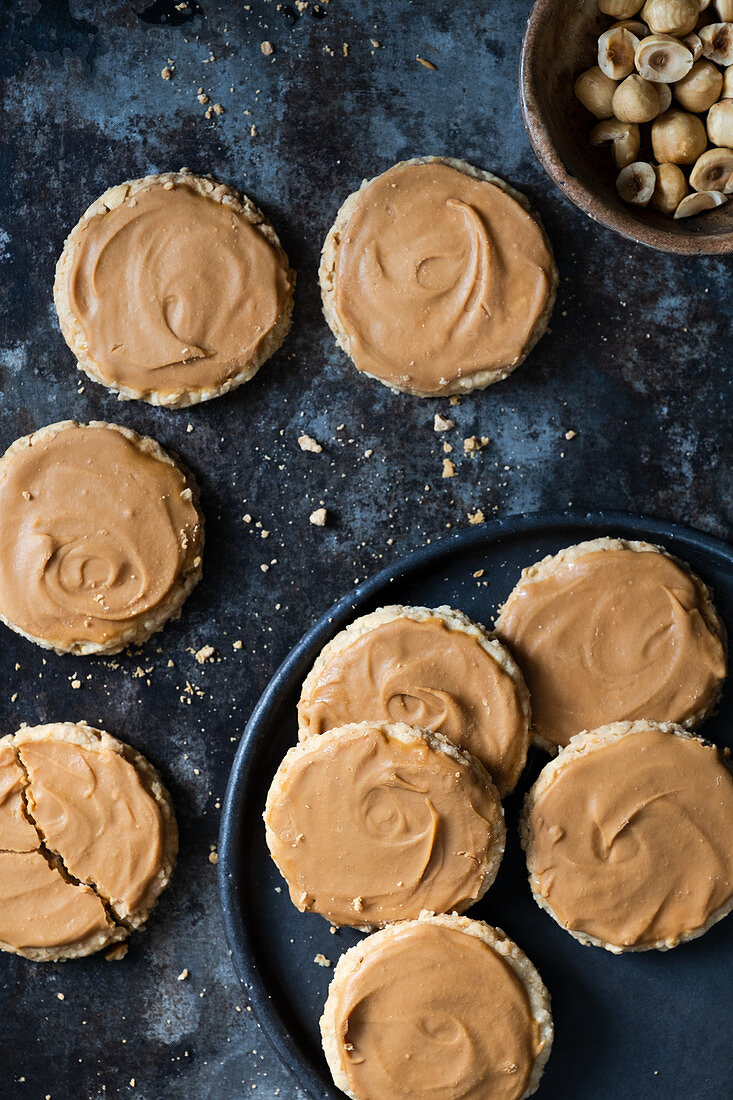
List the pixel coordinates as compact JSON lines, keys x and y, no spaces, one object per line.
{"x":439,"y":276}
{"x":173,"y":286}
{"x":434,"y":1011}
{"x":372,"y":823}
{"x":97,"y":529}
{"x":432,"y":669}
{"x":607,"y":631}
{"x":629,"y":835}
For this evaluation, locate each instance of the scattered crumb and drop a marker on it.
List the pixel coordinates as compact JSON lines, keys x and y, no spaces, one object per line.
{"x":358,"y":904}
{"x":166,"y":73}
{"x":183,"y":975}
{"x":472,"y":445}
{"x":443,"y":423}
{"x":318,"y":518}
{"x":321,"y":960}
{"x":61,"y":996}
{"x":454,"y":400}
{"x":267,"y":48}
{"x":201,"y":96}
{"x":76,"y":684}
{"x":253,"y":130}
{"x":377,"y":45}
{"x":449,"y":469}
{"x":237,"y":644}
{"x":117,"y":952}
{"x":479,"y":573}
{"x":204,"y":654}
{"x":570,"y":434}
{"x":308,"y":443}
{"x":474,"y":518}
{"x":213,"y":857}
{"x":427,"y":64}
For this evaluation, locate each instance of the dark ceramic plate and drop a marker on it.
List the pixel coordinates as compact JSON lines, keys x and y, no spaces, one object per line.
{"x":630,"y":1027}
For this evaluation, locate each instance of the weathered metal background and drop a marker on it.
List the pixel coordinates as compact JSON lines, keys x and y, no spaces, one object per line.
{"x":638,"y":363}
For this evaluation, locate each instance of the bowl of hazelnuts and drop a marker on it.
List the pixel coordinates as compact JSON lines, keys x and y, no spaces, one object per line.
{"x":629,"y":107}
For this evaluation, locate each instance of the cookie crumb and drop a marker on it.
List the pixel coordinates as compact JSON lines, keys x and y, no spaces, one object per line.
{"x":166,"y":73}
{"x":61,"y":996}
{"x":267,"y":48}
{"x":443,"y":423}
{"x":308,"y":443}
{"x":319,"y":517}
{"x":475,"y":518}
{"x":213,"y":857}
{"x":570,"y":434}
{"x":253,"y":130}
{"x":321,"y":960}
{"x":478,"y":573}
{"x":449,"y":469}
{"x":237,"y":644}
{"x":204,"y":654}
{"x":183,"y":975}
{"x":76,"y":684}
{"x":358,"y":904}
{"x":472,"y":445}
{"x":117,"y":952}
{"x":425,"y":63}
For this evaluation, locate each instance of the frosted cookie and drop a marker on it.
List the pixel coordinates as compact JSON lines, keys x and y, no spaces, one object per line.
{"x":435,"y":669}
{"x":88,"y":841}
{"x":441,"y":1006}
{"x":629,"y":837}
{"x":374,"y":822}
{"x":437,"y":278}
{"x":100,"y":537}
{"x":610,"y":630}
{"x":173,"y":289}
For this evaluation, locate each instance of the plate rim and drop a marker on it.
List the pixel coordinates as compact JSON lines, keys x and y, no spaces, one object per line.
{"x":329,"y":623}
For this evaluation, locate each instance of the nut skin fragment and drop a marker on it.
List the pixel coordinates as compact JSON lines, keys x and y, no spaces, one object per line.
{"x":636,"y":183}
{"x":698,"y":202}
{"x":670,"y":189}
{"x":662,"y":59}
{"x":700,"y":88}
{"x":717,"y":42}
{"x":595,"y":91}
{"x":713,"y":171}
{"x":616,"y":52}
{"x":678,"y":137}
{"x":677,"y":17}
{"x":619,"y":9}
{"x":635,"y":100}
{"x":720,"y":123}
{"x":623,"y":136}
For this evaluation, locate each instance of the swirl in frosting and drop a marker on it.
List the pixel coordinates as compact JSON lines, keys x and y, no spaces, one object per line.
{"x":630,"y":842}
{"x":439,"y":276}
{"x":366,"y":827}
{"x":612,"y":634}
{"x":432,"y":1011}
{"x":174,"y":289}
{"x":425,"y":673}
{"x":97,"y":532}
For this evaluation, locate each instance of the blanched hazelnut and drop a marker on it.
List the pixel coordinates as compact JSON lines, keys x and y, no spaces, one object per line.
{"x":664,"y":91}
{"x":616,"y":52}
{"x":635,"y":100}
{"x":694,"y":45}
{"x":720,"y":123}
{"x":678,"y":137}
{"x":670,"y":188}
{"x":635,"y":183}
{"x":677,"y":17}
{"x":637,"y":28}
{"x":619,"y":9}
{"x":698,"y":202}
{"x":725,"y":10}
{"x":717,"y":42}
{"x":700,"y":88}
{"x":623,"y":136}
{"x":727,"y":92}
{"x":662,"y":59}
{"x":595,"y":91}
{"x":713,"y":171}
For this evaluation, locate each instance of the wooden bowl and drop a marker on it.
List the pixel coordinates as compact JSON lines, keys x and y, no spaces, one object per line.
{"x":560,"y":42}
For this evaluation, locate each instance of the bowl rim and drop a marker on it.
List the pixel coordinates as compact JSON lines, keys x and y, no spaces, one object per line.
{"x":628,"y":226}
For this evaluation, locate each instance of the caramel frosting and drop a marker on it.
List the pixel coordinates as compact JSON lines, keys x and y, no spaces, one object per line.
{"x":93,"y":809}
{"x":174,"y":286}
{"x":442,"y":279}
{"x":373,"y":823}
{"x":100,"y":537}
{"x":433,"y":1011}
{"x":629,"y":836}
{"x":611,"y":634}
{"x":426,"y":673}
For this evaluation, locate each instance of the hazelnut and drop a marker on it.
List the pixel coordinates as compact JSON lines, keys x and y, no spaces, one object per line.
{"x":616,"y":51}
{"x":670,"y":188}
{"x":619,"y":9}
{"x":595,"y":91}
{"x":637,"y":28}
{"x":698,"y":202}
{"x":713,"y":171}
{"x":700,"y":88}
{"x":677,"y":17}
{"x":635,"y":183}
{"x":623,"y":137}
{"x":664,"y":91}
{"x":662,"y":59}
{"x":720,"y":123}
{"x":678,"y":137}
{"x":717,"y":42}
{"x":725,"y":10}
{"x":694,"y":45}
{"x":727,"y":92}
{"x":635,"y":100}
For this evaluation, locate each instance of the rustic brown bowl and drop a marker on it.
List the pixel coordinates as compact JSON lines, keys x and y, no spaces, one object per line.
{"x":559,"y":43}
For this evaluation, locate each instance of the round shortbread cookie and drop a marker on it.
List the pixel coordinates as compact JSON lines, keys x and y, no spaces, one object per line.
{"x":431,"y":668}
{"x":88,"y":841}
{"x":441,"y":1006}
{"x":101,"y":537}
{"x":628,"y":835}
{"x":437,"y":278}
{"x":613,"y":630}
{"x":373,"y":822}
{"x":173,"y":289}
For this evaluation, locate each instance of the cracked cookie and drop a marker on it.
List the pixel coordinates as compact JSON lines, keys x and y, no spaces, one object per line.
{"x":88,"y":841}
{"x":101,"y":537}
